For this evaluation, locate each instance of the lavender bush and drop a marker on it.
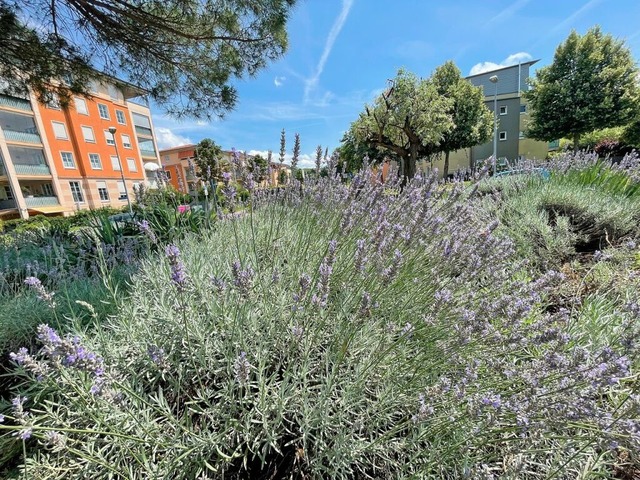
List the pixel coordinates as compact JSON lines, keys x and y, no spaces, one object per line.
{"x":337,"y":330}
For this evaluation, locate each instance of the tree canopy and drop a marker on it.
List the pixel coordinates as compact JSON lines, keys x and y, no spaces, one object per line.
{"x":208,"y":160}
{"x":409,"y":118}
{"x":185,"y":53}
{"x":591,"y":84}
{"x":472,"y":120}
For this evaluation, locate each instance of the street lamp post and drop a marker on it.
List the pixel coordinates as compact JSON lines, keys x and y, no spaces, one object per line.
{"x":494,"y":79}
{"x":112,"y":131}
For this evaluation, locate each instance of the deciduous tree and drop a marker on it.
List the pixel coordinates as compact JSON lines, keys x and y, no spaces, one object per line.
{"x":409,"y":118}
{"x":591,"y":84}
{"x":472,"y":120}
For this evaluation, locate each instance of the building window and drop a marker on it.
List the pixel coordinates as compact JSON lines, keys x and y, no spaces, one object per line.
{"x":521,"y":135}
{"x":103,"y":192}
{"x":126,"y":141}
{"x":503,"y":110}
{"x":120,"y":117}
{"x":67,"y":160}
{"x":168,"y":174}
{"x":81,"y":106}
{"x":131,"y":163}
{"x":104,"y":111}
{"x":76,"y":191}
{"x":53,"y":102}
{"x":115,"y":162}
{"x":523,"y":109}
{"x":122,"y":192}
{"x":115,"y":93}
{"x":94,"y":160}
{"x":109,"y":137}
{"x":60,"y":131}
{"x":502,"y":135}
{"x":8,"y":192}
{"x":87,"y":133}
{"x":47,"y":190}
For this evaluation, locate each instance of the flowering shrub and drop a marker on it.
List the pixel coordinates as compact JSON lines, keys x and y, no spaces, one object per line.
{"x":336,"y":331}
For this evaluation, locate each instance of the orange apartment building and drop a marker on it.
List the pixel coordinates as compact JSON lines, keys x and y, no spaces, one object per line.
{"x":56,"y":160}
{"x":175,"y":162}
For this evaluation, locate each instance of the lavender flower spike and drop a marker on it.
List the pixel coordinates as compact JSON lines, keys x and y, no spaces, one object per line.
{"x":178,"y":272}
{"x":41,"y":292}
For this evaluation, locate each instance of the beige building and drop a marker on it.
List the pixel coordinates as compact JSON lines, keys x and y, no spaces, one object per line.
{"x":176,"y":161}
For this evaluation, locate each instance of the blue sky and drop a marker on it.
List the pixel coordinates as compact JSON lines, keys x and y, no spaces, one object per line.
{"x":341,"y":53}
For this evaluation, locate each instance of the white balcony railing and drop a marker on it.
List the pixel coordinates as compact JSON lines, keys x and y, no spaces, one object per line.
{"x":35,"y":202}
{"x":40,"y":169}
{"x":24,"y":137}
{"x":14,"y":102}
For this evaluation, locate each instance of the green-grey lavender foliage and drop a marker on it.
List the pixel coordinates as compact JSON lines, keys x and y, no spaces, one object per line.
{"x":339,"y":331}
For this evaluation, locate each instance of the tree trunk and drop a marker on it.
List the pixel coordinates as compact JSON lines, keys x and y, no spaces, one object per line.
{"x":445,"y":169}
{"x":411,"y":161}
{"x":576,"y":141}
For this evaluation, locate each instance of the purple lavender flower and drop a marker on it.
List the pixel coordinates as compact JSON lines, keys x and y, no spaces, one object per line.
{"x":219,"y":284}
{"x":390,"y":272}
{"x":41,"y":292}
{"x":360,"y":258}
{"x":365,"y":305}
{"x":24,"y":434}
{"x":242,"y":278}
{"x":493,"y":401}
{"x":156,"y":354}
{"x":178,"y":272}
{"x":242,"y":368}
{"x":145,"y":228}
{"x":297,"y":332}
{"x":424,"y":410}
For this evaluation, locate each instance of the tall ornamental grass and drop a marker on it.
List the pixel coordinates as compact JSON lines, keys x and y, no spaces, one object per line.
{"x":334,"y":331}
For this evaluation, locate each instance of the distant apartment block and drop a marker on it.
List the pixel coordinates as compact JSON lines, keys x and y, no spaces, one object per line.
{"x":55,"y":160}
{"x":175,"y":162}
{"x":512,"y":115}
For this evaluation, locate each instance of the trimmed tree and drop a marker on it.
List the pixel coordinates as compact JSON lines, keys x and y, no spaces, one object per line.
{"x":472,"y":120}
{"x":208,"y":160}
{"x":186,"y":53}
{"x":408,"y":119}
{"x":591,"y":84}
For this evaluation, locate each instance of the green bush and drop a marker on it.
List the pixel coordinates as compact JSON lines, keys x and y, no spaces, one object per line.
{"x":580,"y":208}
{"x":333,"y":332}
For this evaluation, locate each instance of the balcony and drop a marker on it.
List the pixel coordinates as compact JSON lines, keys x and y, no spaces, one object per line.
{"x":148,"y":153}
{"x":18,"y":127}
{"x":8,"y":204}
{"x":37,"y":202}
{"x":22,"y":137}
{"x":15,"y":102}
{"x":143,"y":131}
{"x":35,"y":170}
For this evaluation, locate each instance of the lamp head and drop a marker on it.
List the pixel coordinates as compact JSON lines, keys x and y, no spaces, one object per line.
{"x":112,"y":130}
{"x":493,"y":79}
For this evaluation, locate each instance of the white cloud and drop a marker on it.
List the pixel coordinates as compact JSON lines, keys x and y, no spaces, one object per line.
{"x":167,"y":139}
{"x":279,"y":81}
{"x":513,"y":59}
{"x":311,"y":83}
